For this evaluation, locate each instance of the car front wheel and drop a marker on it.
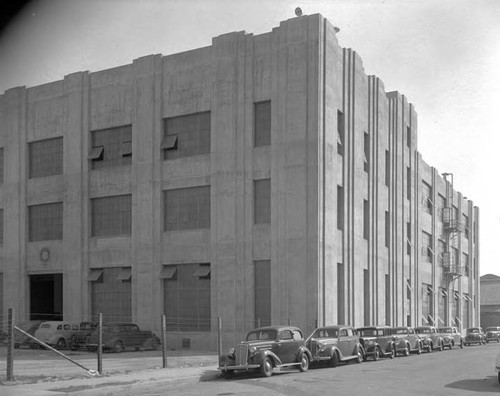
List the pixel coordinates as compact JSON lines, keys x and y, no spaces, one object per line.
{"x":406,"y":352}
{"x":376,"y":354}
{"x":304,"y":363}
{"x":267,"y":367}
{"x":499,"y":378}
{"x":118,"y":347}
{"x":334,"y":361}
{"x":61,"y":343}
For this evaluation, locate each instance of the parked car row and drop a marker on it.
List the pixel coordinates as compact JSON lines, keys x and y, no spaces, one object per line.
{"x":267,"y":348}
{"x":66,"y":335}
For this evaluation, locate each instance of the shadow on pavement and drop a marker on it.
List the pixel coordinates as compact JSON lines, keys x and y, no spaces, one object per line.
{"x":209,"y":375}
{"x":488,"y":384}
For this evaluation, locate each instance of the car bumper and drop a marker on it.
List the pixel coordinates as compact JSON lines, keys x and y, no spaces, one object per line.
{"x":239,"y":367}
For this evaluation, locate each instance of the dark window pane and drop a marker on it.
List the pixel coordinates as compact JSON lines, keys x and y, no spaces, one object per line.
{"x":1,"y":166}
{"x":45,"y":222}
{"x":187,"y":208}
{"x":262,"y":201}
{"x":262,"y":292}
{"x":193,"y":135}
{"x":46,"y":158}
{"x":112,"y":216}
{"x":262,"y":123}
{"x":116,"y":147}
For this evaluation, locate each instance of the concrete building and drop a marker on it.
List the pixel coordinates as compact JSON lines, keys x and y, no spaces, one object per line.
{"x":263,"y":179}
{"x":490,"y":300}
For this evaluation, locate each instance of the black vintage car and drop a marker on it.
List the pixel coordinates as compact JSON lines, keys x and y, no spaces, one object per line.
{"x":492,"y":334}
{"x":120,"y":336}
{"x":377,"y":341}
{"x":474,"y":335}
{"x":334,"y":344}
{"x":266,"y":348}
{"x":79,"y":339}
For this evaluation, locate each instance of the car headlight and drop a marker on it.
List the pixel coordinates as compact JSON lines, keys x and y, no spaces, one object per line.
{"x":252,"y":350}
{"x":230,"y":352}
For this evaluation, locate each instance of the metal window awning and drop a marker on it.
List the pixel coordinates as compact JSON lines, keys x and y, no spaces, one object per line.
{"x":125,"y":274}
{"x":444,"y":292}
{"x":467,"y":297}
{"x":168,"y":271}
{"x":95,"y":275}
{"x":96,"y":153}
{"x":169,"y":142}
{"x":430,"y":289}
{"x":202,"y":271}
{"x":126,"y":149}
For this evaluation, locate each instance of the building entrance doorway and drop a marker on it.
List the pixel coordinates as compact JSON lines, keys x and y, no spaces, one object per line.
{"x":46,"y":297}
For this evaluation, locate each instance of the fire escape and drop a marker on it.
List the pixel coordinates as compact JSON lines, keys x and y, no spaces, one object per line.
{"x":452,"y":227}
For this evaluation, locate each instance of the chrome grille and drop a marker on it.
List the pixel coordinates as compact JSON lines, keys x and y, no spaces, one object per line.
{"x":314,"y":348}
{"x":241,"y":355}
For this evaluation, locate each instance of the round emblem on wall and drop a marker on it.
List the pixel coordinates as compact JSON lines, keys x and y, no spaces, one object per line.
{"x":45,"y":254}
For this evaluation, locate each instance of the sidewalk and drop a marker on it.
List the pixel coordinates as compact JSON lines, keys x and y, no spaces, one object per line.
{"x":48,"y":375}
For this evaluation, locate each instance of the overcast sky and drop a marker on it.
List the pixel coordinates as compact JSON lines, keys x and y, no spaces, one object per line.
{"x":443,"y":55}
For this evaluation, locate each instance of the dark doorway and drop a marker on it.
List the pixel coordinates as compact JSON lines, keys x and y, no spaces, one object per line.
{"x":46,"y":298}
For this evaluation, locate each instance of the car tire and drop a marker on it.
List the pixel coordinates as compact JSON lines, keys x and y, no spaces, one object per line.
{"x":376,"y":355}
{"x":118,"y":347}
{"x":392,"y":352}
{"x":304,"y":363}
{"x":498,"y":340}
{"x":419,"y":349}
{"x":334,"y":360}
{"x":461,"y":344}
{"x":406,"y":352}
{"x":430,"y":347}
{"x":360,"y":355}
{"x":61,"y":343}
{"x":499,"y":378}
{"x":487,"y":341}
{"x":154,"y":344}
{"x":440,"y":348}
{"x":266,"y":369}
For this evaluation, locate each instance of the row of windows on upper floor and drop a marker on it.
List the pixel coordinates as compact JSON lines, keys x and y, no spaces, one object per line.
{"x":184,"y":136}
{"x":183,"y":209}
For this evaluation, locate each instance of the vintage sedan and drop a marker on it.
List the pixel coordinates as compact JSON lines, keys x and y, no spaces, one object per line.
{"x":120,"y":336}
{"x":56,"y":333}
{"x":492,"y":334}
{"x":406,"y":340}
{"x":474,"y":335}
{"x":335,"y":344}
{"x":452,"y":336}
{"x":377,"y":341}
{"x":79,"y":338}
{"x":431,"y":338}
{"x":266,"y":348}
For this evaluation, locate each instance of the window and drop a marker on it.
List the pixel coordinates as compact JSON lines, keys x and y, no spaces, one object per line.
{"x":340,"y":293}
{"x":45,"y":158}
{"x":110,"y":295}
{"x":440,"y":205}
{"x":427,"y":197}
{"x":366,"y":152}
{"x":408,"y":136}
{"x":465,"y":264}
{"x":111,"y":147}
{"x":187,"y":135}
{"x":427,"y":246}
{"x":366,"y":219}
{"x":262,"y":123}
{"x":387,"y":168}
{"x":1,"y":166}
{"x":442,"y":307}
{"x":465,"y":221}
{"x":408,"y":238}
{"x":1,"y":226}
{"x":340,"y":132}
{"x":465,"y":310}
{"x":441,"y":248}
{"x":45,"y":222}
{"x":427,"y":317}
{"x":262,"y":292}
{"x":186,"y":297}
{"x":387,"y":300}
{"x":340,"y":208}
{"x":262,"y":201}
{"x":111,"y":216}
{"x":408,"y":182}
{"x":186,"y":208}
{"x":387,"y":229}
{"x":366,"y":296}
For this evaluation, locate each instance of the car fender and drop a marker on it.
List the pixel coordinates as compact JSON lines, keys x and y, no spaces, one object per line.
{"x":260,"y":356}
{"x":302,"y":350}
{"x":360,"y":346}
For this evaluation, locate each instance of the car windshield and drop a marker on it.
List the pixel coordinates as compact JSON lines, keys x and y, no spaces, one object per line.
{"x":367,"y":332}
{"x":423,"y":331}
{"x":261,"y":335}
{"x":445,"y":330}
{"x":492,"y":329}
{"x":326,"y":333}
{"x":400,"y":331}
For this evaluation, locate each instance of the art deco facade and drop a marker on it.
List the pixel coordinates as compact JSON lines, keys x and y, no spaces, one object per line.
{"x":262,"y":179}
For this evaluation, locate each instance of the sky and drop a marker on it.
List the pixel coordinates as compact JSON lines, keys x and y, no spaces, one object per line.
{"x":443,"y":55}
